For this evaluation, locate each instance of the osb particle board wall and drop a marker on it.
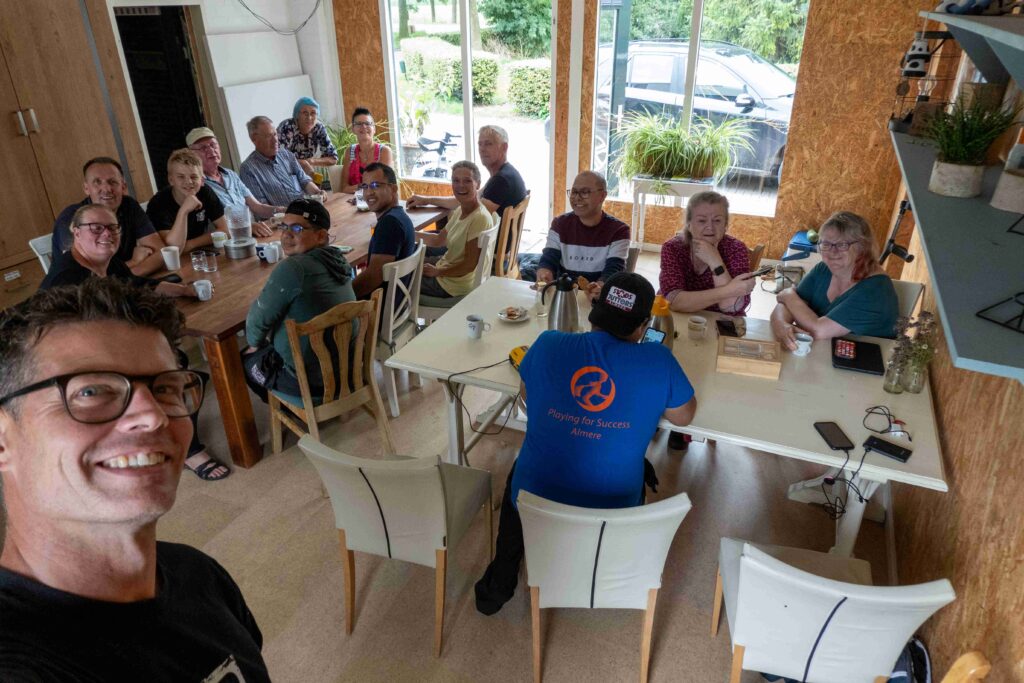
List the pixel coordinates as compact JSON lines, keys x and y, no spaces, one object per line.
{"x":360,"y":58}
{"x":971,"y":535}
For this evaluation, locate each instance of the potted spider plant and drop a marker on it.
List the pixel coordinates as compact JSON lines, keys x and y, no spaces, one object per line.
{"x":963,"y":136}
{"x":661,"y":150}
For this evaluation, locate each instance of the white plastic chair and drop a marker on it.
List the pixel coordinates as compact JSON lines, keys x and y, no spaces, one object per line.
{"x":334,"y":175}
{"x":579,"y":557}
{"x":411,"y":509}
{"x":815,"y":617}
{"x":42,"y":246}
{"x":907,"y":294}
{"x":398,"y":323}
{"x":432,"y":308}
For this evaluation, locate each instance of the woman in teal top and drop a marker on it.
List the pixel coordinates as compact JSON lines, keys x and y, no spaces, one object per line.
{"x":847,"y":293}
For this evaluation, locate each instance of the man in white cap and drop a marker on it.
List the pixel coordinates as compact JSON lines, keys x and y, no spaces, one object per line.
{"x":224,"y":182}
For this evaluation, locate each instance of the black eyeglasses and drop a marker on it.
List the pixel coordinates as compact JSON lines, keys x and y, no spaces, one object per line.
{"x":375,"y":185}
{"x":363,"y":124}
{"x":98,"y":229}
{"x":582,"y":194}
{"x":295,"y":228}
{"x":95,"y":397}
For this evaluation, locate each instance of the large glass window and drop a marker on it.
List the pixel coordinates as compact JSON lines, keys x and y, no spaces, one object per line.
{"x":745,"y":71}
{"x":509,"y":44}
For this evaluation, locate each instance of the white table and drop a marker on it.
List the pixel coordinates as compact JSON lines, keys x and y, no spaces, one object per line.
{"x":775,"y":416}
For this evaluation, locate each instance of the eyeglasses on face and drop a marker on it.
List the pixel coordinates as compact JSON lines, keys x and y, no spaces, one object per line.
{"x":295,"y":228}
{"x":375,"y":185}
{"x":825,"y":245}
{"x":97,"y":229}
{"x":211,"y":145}
{"x":582,"y":193}
{"x":95,"y":397}
{"x":363,"y":124}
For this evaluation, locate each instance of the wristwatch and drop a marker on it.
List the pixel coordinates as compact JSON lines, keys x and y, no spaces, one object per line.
{"x":719,"y":270}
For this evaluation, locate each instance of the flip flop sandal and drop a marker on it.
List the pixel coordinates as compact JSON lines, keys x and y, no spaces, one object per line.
{"x":205,"y":471}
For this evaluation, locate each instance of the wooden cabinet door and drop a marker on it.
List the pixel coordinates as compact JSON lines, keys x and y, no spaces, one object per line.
{"x":51,"y":65}
{"x":26,"y":210}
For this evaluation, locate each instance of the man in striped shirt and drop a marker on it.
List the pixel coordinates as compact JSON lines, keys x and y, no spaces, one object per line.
{"x":272,"y":173}
{"x":586,"y":241}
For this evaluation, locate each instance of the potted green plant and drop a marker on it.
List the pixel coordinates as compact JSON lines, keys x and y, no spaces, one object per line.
{"x":658,"y":147}
{"x":963,"y":136}
{"x":907,"y":369}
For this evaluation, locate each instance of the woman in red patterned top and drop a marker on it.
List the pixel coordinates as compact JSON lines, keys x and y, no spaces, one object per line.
{"x":365,"y":152}
{"x":702,"y":268}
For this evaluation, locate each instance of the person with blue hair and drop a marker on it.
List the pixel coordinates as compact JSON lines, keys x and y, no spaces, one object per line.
{"x":306,"y":137}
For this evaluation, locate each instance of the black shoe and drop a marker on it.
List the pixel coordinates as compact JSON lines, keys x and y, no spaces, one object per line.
{"x":677,"y":441}
{"x":493,"y":592}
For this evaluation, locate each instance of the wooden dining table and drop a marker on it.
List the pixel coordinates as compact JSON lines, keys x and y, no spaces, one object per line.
{"x":237,"y":283}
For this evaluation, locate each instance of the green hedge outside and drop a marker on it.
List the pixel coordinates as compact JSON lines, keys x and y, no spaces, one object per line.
{"x":529,"y":90}
{"x":438,"y":65}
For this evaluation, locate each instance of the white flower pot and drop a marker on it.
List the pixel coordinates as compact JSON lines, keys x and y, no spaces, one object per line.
{"x":1009,"y":194}
{"x":956,"y":180}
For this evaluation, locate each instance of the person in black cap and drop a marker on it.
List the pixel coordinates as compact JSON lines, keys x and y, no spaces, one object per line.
{"x":593,"y":402}
{"x":313,"y":279}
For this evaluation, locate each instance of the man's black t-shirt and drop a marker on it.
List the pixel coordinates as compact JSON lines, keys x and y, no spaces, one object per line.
{"x":394,"y":236}
{"x":65,"y":270}
{"x":505,"y":188}
{"x":163,"y":210}
{"x":197,"y":628}
{"x":135,"y":225}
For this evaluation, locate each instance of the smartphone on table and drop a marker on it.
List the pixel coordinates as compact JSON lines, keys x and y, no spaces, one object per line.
{"x":653,"y":335}
{"x":834,"y":436}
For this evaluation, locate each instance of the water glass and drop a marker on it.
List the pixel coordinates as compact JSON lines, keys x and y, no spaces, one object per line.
{"x":539,"y":300}
{"x":211,"y":262}
{"x":239,"y":222}
{"x":199,"y":261}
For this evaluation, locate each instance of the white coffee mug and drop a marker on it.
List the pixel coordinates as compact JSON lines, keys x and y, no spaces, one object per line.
{"x":477,"y":326}
{"x":697,"y":327}
{"x":803,"y":344}
{"x":272,"y":252}
{"x":219,"y":238}
{"x":172,"y":258}
{"x":204,"y":289}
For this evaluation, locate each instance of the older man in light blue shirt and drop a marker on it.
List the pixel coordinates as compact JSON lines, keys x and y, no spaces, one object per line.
{"x":273,"y":174}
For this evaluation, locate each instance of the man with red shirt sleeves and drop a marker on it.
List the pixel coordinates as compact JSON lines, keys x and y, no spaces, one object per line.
{"x":586,"y":241}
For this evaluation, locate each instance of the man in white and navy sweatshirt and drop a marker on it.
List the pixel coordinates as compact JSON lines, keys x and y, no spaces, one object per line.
{"x":586,"y":241}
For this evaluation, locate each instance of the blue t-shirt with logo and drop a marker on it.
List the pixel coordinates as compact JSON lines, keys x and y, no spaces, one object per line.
{"x":593,"y":403}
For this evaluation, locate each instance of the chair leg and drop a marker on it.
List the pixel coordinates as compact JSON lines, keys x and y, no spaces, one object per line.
{"x":716,"y":615}
{"x":276,"y":436}
{"x":382,"y":421}
{"x":313,"y":427}
{"x":348,"y":561}
{"x":439,"y":576}
{"x":391,"y":389}
{"x":737,"y":664}
{"x":645,"y":639}
{"x":417,"y":378}
{"x":535,"y":621}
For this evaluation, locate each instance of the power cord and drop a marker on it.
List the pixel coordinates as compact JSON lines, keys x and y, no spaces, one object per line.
{"x":893,"y":426}
{"x":448,"y":382}
{"x":282,"y":32}
{"x":836,"y":507}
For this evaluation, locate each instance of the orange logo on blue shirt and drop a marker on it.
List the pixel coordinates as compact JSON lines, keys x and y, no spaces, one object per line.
{"x":592,"y":388}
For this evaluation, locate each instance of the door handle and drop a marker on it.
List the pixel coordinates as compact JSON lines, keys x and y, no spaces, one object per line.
{"x":21,"y":124}
{"x":35,"y":121}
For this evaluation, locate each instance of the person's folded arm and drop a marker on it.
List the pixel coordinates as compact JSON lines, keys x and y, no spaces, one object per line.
{"x":433,"y":239}
{"x":819,"y":327}
{"x":259,"y":209}
{"x":154,"y":261}
{"x":417,"y":201}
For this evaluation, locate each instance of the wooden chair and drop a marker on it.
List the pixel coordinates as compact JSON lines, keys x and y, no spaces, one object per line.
{"x":410,"y":509}
{"x":510,"y":233}
{"x":398,"y":323}
{"x":800,"y":614}
{"x":579,"y":557}
{"x":347,"y":385}
{"x":755,"y":256}
{"x":969,"y":668}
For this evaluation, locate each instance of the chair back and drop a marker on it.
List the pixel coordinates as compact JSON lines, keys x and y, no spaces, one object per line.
{"x":395,"y":316}
{"x":969,"y":668}
{"x":755,"y":255}
{"x":42,"y":246}
{"x":907,"y":294}
{"x":803,"y":626}
{"x":334,"y":175}
{"x":632,"y":256}
{"x":510,"y":234}
{"x":582,"y":557}
{"x":390,"y":508}
{"x":353,"y":327}
{"x":486,"y":241}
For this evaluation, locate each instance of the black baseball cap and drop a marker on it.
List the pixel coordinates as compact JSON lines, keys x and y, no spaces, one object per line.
{"x":313,"y":211}
{"x":624,"y":304}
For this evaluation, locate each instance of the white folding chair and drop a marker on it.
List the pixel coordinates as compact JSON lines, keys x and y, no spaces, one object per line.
{"x":579,"y":557}
{"x":815,"y":617}
{"x":398,"y":324}
{"x":908,"y":294}
{"x":334,"y":175}
{"x":42,"y":247}
{"x":432,"y":307}
{"x":411,"y":509}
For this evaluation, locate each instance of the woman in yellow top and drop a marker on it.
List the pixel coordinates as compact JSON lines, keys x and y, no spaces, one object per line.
{"x":451,"y":275}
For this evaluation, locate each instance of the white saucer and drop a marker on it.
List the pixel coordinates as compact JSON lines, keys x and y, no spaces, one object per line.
{"x":523,"y":316}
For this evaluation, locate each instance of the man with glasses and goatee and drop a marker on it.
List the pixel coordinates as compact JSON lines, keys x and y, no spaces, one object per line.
{"x":92,"y":442}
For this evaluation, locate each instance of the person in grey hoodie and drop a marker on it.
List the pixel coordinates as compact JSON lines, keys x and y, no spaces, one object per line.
{"x":313,"y":278}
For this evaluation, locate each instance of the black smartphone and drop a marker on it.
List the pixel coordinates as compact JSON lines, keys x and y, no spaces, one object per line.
{"x":834,"y":436}
{"x":726,"y":328}
{"x":888,"y":448}
{"x":653,"y":335}
{"x":173,"y":277}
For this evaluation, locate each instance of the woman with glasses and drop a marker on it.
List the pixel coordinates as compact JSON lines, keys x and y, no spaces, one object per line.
{"x":365,"y":152}
{"x":96,"y":237}
{"x":306,"y":137}
{"x":847,"y":293}
{"x":702,"y":268}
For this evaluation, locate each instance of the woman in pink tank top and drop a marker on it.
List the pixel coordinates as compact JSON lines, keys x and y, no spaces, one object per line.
{"x":364,"y":152}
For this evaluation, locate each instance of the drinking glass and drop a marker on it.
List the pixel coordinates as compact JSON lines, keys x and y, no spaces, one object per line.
{"x":239,"y":222}
{"x":199,"y":261}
